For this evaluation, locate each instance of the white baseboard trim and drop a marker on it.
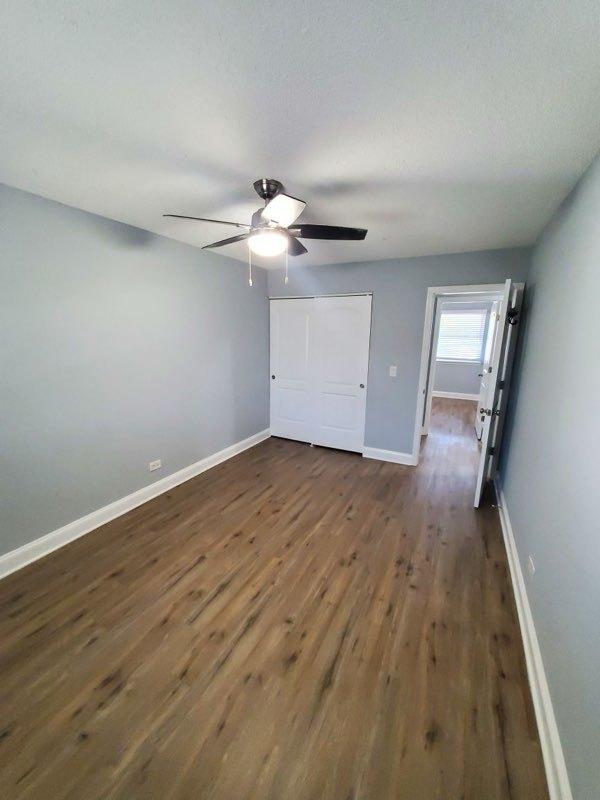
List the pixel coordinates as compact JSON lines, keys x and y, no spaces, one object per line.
{"x":16,"y":559}
{"x":389,"y":455}
{"x":554,"y":760}
{"x":456,"y":395}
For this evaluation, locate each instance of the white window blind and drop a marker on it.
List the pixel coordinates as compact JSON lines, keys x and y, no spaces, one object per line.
{"x":461,"y":334}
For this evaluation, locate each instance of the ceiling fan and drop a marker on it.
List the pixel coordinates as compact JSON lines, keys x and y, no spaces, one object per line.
{"x":271,"y":230}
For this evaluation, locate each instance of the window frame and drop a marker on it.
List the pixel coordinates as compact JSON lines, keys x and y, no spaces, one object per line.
{"x":462,"y":308}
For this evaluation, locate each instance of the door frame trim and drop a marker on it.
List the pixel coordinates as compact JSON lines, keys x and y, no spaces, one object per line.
{"x":314,"y":296}
{"x":433,"y":292}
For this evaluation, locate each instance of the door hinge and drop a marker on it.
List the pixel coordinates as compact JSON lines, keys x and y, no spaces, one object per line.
{"x":512,"y":317}
{"x":501,"y":384}
{"x":491,"y":451}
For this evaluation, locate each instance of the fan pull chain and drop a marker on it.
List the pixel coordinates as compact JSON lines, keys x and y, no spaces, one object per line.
{"x":285,"y":280}
{"x":249,"y":267}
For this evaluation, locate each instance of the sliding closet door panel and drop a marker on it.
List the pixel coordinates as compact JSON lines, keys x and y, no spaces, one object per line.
{"x":291,"y":379}
{"x":341,"y":361}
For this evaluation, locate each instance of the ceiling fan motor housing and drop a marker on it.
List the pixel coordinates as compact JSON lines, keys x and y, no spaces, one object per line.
{"x":267,"y":188}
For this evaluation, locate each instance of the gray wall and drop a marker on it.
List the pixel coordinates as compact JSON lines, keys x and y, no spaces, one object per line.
{"x":399,"y":293}
{"x":457,"y":377}
{"x":118,"y":347}
{"x":550,"y":470}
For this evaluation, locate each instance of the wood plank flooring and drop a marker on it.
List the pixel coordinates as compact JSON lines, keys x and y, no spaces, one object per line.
{"x":295,"y":624}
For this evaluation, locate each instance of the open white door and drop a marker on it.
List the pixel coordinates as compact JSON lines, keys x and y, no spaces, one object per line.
{"x":499,"y":377}
{"x":341,"y":363}
{"x":291,"y":380}
{"x":486,"y":383}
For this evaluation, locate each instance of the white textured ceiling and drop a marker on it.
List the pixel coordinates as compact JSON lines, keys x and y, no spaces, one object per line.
{"x":440,"y":126}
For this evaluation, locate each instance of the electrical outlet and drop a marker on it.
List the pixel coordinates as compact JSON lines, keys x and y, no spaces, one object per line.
{"x":393,"y":371}
{"x":155,"y":465}
{"x":530,"y":566}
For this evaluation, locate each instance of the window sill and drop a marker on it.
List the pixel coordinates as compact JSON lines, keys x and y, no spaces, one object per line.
{"x":459,"y":361}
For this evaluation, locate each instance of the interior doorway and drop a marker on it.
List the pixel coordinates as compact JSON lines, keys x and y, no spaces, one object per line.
{"x":463,"y":330}
{"x":469,"y":336}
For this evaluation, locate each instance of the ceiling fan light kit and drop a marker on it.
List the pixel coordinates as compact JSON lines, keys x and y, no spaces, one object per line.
{"x":269,"y":233}
{"x":270,"y":242}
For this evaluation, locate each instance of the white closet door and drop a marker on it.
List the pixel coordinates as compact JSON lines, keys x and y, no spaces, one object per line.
{"x":291,"y":387}
{"x":340,"y":362}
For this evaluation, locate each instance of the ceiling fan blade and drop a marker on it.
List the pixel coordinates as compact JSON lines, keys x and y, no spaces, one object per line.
{"x":231,"y":240}
{"x":283,"y":209}
{"x":328,"y":232}
{"x":204,"y":219}
{"x":295,"y":248}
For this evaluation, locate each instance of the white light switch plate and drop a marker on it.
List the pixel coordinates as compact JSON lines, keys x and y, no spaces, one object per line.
{"x":393,"y":371}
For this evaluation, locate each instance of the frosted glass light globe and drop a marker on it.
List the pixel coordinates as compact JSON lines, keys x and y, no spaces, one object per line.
{"x":267,"y":243}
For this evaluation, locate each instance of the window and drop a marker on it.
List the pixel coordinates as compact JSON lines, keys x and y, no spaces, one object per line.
{"x":461,"y":334}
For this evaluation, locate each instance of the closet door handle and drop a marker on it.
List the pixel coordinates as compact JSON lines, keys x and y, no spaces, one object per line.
{"x":362,"y":386}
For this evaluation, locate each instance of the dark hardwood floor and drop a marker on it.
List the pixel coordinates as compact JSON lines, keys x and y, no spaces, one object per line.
{"x":295,"y":624}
